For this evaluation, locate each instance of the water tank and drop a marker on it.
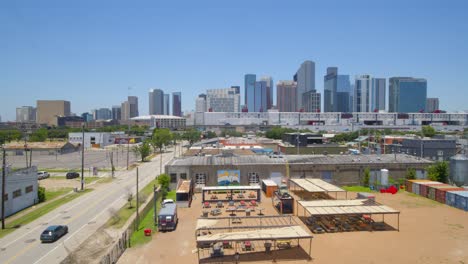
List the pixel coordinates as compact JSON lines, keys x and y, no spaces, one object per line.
{"x":459,"y":170}
{"x":384,"y":177}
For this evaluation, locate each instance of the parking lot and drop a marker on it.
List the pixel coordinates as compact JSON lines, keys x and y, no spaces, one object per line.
{"x":93,"y":158}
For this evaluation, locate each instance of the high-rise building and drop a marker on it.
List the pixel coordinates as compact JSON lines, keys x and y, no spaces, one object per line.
{"x":102,"y":114}
{"x":200,"y":103}
{"x":259,"y":102}
{"x":116,"y":112}
{"x":311,"y":101}
{"x":351,"y":98}
{"x":133,"y":101}
{"x":249,"y":88}
{"x":362,"y":89}
{"x":166,"y":104}
{"x":25,"y":114}
{"x":305,"y":78}
{"x":330,"y":89}
{"x":223,"y":100}
{"x":286,"y":94}
{"x":49,"y":110}
{"x":407,"y":94}
{"x":156,"y":102}
{"x":87,"y":117}
{"x":177,"y":104}
{"x":125,"y":108}
{"x":377,"y":94}
{"x":432,"y":104}
{"x":269,"y":91}
{"x":343,"y":94}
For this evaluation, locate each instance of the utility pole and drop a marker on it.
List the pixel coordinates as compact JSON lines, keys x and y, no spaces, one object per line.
{"x":3,"y":187}
{"x":137,"y":201}
{"x":155,"y":216}
{"x":128,"y":144}
{"x":112,"y":163}
{"x":297,"y":140}
{"x":82,"y":156}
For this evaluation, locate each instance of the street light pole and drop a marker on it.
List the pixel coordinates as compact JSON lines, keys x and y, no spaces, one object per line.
{"x":3,"y":187}
{"x":82,"y":156}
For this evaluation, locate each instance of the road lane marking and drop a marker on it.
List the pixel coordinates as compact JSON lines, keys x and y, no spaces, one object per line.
{"x":22,"y":251}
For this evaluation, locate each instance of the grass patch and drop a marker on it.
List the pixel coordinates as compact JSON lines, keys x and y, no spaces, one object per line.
{"x":122,"y":215}
{"x":87,"y":180}
{"x":138,"y":237}
{"x":33,"y":215}
{"x":357,"y":189}
{"x":49,"y":195}
{"x":417,"y":201}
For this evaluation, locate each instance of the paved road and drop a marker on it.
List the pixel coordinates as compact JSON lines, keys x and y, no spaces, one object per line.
{"x":83,"y":216}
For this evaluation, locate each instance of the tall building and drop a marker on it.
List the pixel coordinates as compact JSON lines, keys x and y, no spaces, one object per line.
{"x":259,"y":101}
{"x":200,"y":103}
{"x":305,"y":78}
{"x":177,"y":104}
{"x":249,"y":89}
{"x":351,"y":97}
{"x":49,"y":110}
{"x":125,"y":111}
{"x":156,"y":102}
{"x":362,"y":89}
{"x":116,"y":112}
{"x":286,"y":94}
{"x":311,"y":101}
{"x":432,"y":104}
{"x":166,"y":104}
{"x":269,"y":91}
{"x":223,"y":100}
{"x":102,"y":114}
{"x":330,"y":90}
{"x":87,"y":117}
{"x":377,"y":94}
{"x":25,"y":114}
{"x":407,"y":94}
{"x":133,"y":101}
{"x":343,"y":94}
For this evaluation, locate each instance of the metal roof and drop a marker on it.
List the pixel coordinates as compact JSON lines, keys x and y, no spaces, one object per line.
{"x":220,"y":188}
{"x":184,"y":187}
{"x":328,"y":203}
{"x":290,"y":232}
{"x":325,"y":185}
{"x":307,"y":185}
{"x":344,"y":210}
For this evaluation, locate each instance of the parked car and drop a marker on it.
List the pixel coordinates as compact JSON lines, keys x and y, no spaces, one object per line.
{"x":42,"y":175}
{"x":53,"y":233}
{"x":167,"y":201}
{"x":167,"y":217}
{"x":72,"y":175}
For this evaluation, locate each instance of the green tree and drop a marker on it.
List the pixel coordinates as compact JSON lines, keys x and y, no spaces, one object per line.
{"x":164,"y":180}
{"x":411,"y":174}
{"x":366,"y":177}
{"x":143,"y":150}
{"x":192,"y":136}
{"x":438,"y":172}
{"x":41,"y":194}
{"x":210,"y":134}
{"x":39,"y":135}
{"x":278,"y":132}
{"x":428,"y":131}
{"x":161,"y":137}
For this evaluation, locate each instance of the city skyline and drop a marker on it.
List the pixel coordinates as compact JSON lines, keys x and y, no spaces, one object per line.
{"x":117,"y":55}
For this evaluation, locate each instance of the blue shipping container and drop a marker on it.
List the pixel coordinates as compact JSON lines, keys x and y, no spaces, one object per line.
{"x":450,"y":198}
{"x":461,"y":199}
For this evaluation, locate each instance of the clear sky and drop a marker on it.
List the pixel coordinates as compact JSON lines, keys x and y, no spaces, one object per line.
{"x":90,"y":52}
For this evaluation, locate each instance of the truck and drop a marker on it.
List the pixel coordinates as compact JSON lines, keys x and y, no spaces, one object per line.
{"x":167,"y":217}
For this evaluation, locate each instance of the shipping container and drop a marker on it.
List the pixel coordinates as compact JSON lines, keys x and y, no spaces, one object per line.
{"x":410,"y":184}
{"x":432,"y":189}
{"x":461,"y":200}
{"x":442,"y":190}
{"x":424,"y":187}
{"x":269,"y":187}
{"x":415,"y":188}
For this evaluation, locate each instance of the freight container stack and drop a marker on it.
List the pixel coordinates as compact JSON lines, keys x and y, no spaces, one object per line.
{"x":437,"y":191}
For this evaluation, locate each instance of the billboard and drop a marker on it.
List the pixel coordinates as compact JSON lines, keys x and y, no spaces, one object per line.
{"x":228,"y":177}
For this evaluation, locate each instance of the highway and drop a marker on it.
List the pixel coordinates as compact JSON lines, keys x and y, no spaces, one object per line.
{"x":84,"y":216}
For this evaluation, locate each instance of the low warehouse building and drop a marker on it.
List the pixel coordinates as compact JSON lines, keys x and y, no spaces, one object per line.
{"x":247,"y":170}
{"x":40,"y":148}
{"x":20,"y":189}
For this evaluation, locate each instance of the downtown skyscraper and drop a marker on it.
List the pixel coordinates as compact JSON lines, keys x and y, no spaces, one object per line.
{"x":177,"y":104}
{"x":286,"y":94}
{"x":156,"y":102}
{"x":249,"y":91}
{"x":344,"y":94}
{"x":305,"y":79}
{"x":269,"y":91}
{"x":407,"y":94}
{"x":330,"y":87}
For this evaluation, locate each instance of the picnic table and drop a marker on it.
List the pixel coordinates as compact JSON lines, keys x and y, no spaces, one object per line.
{"x":231,"y":209}
{"x":281,"y":244}
{"x":260,"y":210}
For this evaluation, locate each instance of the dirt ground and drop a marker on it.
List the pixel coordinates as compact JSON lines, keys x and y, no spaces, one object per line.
{"x":429,"y":233}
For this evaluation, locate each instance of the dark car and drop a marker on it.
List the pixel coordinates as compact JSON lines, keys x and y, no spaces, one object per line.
{"x":72,"y":175}
{"x":52,"y":233}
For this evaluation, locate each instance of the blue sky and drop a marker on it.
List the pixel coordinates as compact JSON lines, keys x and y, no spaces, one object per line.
{"x":90,"y":53}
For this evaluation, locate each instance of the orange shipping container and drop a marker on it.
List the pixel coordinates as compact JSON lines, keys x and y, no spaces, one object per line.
{"x":269,"y":187}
